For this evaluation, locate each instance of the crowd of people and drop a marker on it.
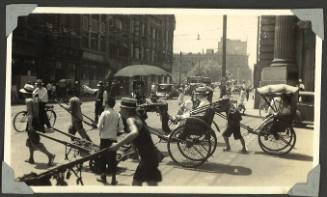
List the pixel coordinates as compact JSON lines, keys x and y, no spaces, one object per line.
{"x":111,"y":123}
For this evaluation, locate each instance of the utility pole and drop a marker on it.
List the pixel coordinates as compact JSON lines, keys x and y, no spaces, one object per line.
{"x":224,"y":47}
{"x":180,"y":66}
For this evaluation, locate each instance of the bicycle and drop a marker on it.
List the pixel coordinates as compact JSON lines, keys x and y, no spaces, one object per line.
{"x":20,"y":119}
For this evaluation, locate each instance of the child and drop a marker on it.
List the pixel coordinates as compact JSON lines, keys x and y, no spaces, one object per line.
{"x":77,"y":118}
{"x":34,"y":124}
{"x":110,"y":124}
{"x":233,"y":127}
{"x":147,"y":170}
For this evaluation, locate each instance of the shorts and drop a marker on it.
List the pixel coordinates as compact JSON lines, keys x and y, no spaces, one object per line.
{"x":147,"y":171}
{"x":236,"y":131}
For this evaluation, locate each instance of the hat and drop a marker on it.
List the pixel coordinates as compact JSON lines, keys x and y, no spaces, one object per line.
{"x":28,"y":89}
{"x":128,"y":103}
{"x":201,"y":90}
{"x":39,"y":81}
{"x":100,"y":83}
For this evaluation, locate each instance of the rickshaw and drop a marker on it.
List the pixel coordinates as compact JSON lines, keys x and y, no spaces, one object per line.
{"x":277,"y":140}
{"x":192,"y":143}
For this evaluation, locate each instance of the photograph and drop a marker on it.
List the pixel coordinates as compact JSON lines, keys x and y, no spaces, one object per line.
{"x":196,"y":100}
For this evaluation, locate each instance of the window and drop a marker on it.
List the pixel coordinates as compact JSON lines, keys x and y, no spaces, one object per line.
{"x":132,"y":26}
{"x":94,"y":25}
{"x":85,"y":41}
{"x":102,"y":43}
{"x":142,"y":53}
{"x":118,"y":24}
{"x":137,"y":53}
{"x":94,"y":41}
{"x":102,"y":27}
{"x":132,"y":47}
{"x":153,"y":33}
{"x":143,"y":29}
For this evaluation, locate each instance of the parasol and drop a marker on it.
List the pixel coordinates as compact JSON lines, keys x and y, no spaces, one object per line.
{"x":140,"y":70}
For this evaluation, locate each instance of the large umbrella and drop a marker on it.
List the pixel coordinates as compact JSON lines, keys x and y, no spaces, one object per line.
{"x":140,"y":70}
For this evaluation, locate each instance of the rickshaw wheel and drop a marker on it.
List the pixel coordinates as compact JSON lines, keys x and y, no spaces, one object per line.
{"x":190,"y":149}
{"x":281,"y":145}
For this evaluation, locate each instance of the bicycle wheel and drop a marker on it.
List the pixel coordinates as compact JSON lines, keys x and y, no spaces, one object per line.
{"x":20,"y":121}
{"x":279,"y":144}
{"x":52,"y":116}
{"x":263,"y":110}
{"x":190,"y":148}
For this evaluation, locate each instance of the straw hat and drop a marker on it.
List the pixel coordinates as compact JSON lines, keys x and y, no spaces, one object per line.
{"x":28,"y":89}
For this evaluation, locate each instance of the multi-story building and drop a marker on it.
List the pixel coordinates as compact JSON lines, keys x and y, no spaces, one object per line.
{"x":236,"y":65}
{"x":285,"y":52}
{"x":87,"y":47}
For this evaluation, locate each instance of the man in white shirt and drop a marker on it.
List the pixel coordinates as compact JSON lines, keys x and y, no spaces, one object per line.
{"x":110,"y":124}
{"x":42,"y":93}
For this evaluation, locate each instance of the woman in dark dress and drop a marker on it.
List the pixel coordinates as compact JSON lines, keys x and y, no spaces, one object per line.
{"x":34,"y":124}
{"x":138,"y":134}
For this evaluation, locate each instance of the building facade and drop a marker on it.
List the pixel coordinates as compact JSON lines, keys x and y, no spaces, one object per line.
{"x":285,"y":53}
{"x":88,"y":47}
{"x":237,"y":65}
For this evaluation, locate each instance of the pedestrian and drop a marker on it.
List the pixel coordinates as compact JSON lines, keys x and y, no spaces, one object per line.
{"x":242,"y":97}
{"x":233,"y":127}
{"x":181,"y":95}
{"x":76,"y":118}
{"x":34,"y":124}
{"x":42,"y":93}
{"x":49,"y":89}
{"x":99,"y":101}
{"x":110,"y":125}
{"x":138,"y":133}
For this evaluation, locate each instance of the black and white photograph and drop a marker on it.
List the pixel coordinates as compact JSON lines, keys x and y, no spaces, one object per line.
{"x":199,"y":100}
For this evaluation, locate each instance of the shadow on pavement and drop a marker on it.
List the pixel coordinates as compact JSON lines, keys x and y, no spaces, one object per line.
{"x":211,"y":167}
{"x":293,"y":156}
{"x":43,"y":166}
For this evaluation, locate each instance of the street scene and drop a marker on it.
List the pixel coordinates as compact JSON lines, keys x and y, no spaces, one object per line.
{"x":162,"y":100}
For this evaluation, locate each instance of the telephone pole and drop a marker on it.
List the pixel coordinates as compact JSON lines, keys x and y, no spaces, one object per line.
{"x":224,"y":47}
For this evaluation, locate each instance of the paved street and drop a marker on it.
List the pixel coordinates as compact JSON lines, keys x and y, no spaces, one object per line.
{"x":222,"y":169}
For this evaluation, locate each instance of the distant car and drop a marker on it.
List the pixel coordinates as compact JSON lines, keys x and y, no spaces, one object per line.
{"x":166,"y":91}
{"x":305,"y":109}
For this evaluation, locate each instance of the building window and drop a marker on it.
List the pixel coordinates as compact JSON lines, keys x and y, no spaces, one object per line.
{"x":132,"y":48}
{"x":152,"y":56}
{"x":102,"y":27}
{"x":153,"y":33}
{"x":85,"y":23}
{"x":102,"y":43}
{"x":85,"y":41}
{"x":137,"y":53}
{"x":132,"y":26}
{"x":94,"y":41}
{"x":94,"y":24}
{"x":118,"y":24}
{"x":143,"y":29}
{"x":142,"y":53}
{"x":137,"y":28}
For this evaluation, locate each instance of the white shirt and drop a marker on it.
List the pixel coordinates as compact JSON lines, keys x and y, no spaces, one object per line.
{"x":110,"y":123}
{"x":42,"y":93}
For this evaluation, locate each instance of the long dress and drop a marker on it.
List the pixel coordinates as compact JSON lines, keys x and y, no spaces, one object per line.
{"x":147,"y":170}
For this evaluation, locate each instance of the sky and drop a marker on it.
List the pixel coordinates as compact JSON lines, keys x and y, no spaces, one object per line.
{"x":209,"y":29}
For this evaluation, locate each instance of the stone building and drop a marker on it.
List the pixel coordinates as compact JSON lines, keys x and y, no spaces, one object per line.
{"x":237,"y":62}
{"x":285,"y":53}
{"x":87,"y":47}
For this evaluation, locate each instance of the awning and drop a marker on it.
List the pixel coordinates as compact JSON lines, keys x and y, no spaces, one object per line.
{"x":140,"y":70}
